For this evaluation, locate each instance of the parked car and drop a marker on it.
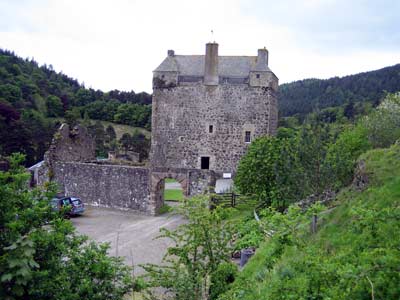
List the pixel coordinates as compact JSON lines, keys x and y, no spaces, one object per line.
{"x":73,"y":206}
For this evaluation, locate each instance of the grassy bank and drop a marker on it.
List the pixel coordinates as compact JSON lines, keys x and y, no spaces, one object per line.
{"x":354,"y":255}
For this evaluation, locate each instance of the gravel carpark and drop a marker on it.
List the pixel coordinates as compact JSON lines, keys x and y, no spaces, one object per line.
{"x":134,"y":233}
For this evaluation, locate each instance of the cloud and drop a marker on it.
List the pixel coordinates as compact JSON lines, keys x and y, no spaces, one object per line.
{"x":333,"y":25}
{"x":116,"y":44}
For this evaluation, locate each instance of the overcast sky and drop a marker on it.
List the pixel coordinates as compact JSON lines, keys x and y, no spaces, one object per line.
{"x":117,"y":44}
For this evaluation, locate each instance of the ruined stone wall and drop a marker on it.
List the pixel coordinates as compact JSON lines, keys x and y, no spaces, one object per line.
{"x":182,"y":117}
{"x":122,"y":187}
{"x":71,"y":144}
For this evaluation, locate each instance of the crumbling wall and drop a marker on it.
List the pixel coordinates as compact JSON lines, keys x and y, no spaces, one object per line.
{"x":71,"y":144}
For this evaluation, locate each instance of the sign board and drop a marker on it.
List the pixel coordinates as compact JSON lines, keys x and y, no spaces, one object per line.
{"x":227,"y":175}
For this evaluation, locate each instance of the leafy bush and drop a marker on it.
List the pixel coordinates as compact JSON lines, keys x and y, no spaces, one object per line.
{"x":343,"y":154}
{"x":222,"y":278}
{"x":41,"y":255}
{"x":383,"y":125}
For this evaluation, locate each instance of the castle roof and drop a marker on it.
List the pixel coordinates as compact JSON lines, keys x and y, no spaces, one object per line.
{"x":229,"y":66}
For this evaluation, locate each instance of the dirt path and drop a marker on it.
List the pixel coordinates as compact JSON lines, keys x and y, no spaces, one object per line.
{"x":134,"y":233}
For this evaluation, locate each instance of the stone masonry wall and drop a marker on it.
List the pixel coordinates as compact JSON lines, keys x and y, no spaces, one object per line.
{"x":182,"y":116}
{"x":122,"y":187}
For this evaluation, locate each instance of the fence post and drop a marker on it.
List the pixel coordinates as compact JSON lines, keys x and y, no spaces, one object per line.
{"x":314,"y":223}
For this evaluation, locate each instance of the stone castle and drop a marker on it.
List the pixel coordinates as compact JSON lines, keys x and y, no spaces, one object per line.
{"x":208,"y":108}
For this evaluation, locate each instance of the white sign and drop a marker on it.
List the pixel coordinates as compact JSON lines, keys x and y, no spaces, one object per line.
{"x":227,"y":175}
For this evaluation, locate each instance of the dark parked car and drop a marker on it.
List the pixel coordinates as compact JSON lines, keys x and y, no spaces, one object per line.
{"x":73,"y":206}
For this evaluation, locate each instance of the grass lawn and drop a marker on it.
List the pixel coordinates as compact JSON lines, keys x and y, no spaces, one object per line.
{"x":173,"y":195}
{"x":170,"y":180}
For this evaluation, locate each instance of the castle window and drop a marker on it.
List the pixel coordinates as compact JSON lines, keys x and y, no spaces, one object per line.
{"x":210,"y":129}
{"x":162,"y":76}
{"x":181,"y":138}
{"x":247,"y":136}
{"x":205,"y":163}
{"x":257,"y":75}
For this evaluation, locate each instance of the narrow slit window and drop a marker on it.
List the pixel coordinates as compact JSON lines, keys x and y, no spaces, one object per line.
{"x":247,"y":137}
{"x":257,"y":75}
{"x":211,"y":129}
{"x":205,"y":163}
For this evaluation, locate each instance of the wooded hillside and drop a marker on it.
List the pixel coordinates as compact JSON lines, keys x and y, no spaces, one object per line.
{"x":304,"y":96}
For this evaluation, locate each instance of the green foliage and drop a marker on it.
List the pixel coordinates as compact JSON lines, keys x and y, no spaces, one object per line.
{"x":304,"y":96}
{"x":126,"y":141}
{"x":24,"y":86}
{"x":343,"y":154}
{"x":249,"y":234}
{"x":165,"y":209}
{"x":54,"y":106}
{"x":137,"y":143}
{"x":72,"y":116}
{"x":133,"y":114}
{"x":354,"y":254}
{"x":269,"y":171}
{"x":314,"y":139}
{"x":98,"y":133}
{"x":110,"y":132}
{"x":222,"y":278}
{"x":200,"y":246}
{"x":383,"y":124}
{"x":41,"y":255}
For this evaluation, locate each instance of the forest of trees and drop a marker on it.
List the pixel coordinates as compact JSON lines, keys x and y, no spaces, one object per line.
{"x":304,"y":96}
{"x":33,"y":97}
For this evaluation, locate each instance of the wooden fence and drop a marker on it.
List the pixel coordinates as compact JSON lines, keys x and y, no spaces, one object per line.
{"x":224,"y":199}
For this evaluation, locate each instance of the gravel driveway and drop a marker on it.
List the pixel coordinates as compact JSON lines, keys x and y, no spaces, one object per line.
{"x":134,"y":233}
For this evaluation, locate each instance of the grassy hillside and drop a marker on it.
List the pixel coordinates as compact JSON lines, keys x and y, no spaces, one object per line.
{"x":354,"y":255}
{"x":120,"y":129}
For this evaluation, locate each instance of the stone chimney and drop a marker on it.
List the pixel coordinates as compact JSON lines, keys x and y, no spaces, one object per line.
{"x":262,"y":58}
{"x":211,"y":64}
{"x":171,"y":53}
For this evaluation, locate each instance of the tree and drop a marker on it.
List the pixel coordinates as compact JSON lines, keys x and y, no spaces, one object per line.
{"x":126,"y":141}
{"x":383,"y":124}
{"x":72,"y":116}
{"x":314,"y":139}
{"x":199,"y":248}
{"x":54,"y":106}
{"x":110,"y":134}
{"x":140,"y":144}
{"x":270,"y":171}
{"x":97,"y":131}
{"x":349,"y":111}
{"x":343,"y":154}
{"x":41,"y":255}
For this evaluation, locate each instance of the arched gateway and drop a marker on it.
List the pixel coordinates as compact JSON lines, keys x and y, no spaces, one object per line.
{"x":193,"y":182}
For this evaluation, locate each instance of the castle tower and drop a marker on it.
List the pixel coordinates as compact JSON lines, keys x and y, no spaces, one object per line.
{"x":208,"y":108}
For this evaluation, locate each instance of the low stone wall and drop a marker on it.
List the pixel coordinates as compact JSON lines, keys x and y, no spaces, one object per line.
{"x":122,"y":187}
